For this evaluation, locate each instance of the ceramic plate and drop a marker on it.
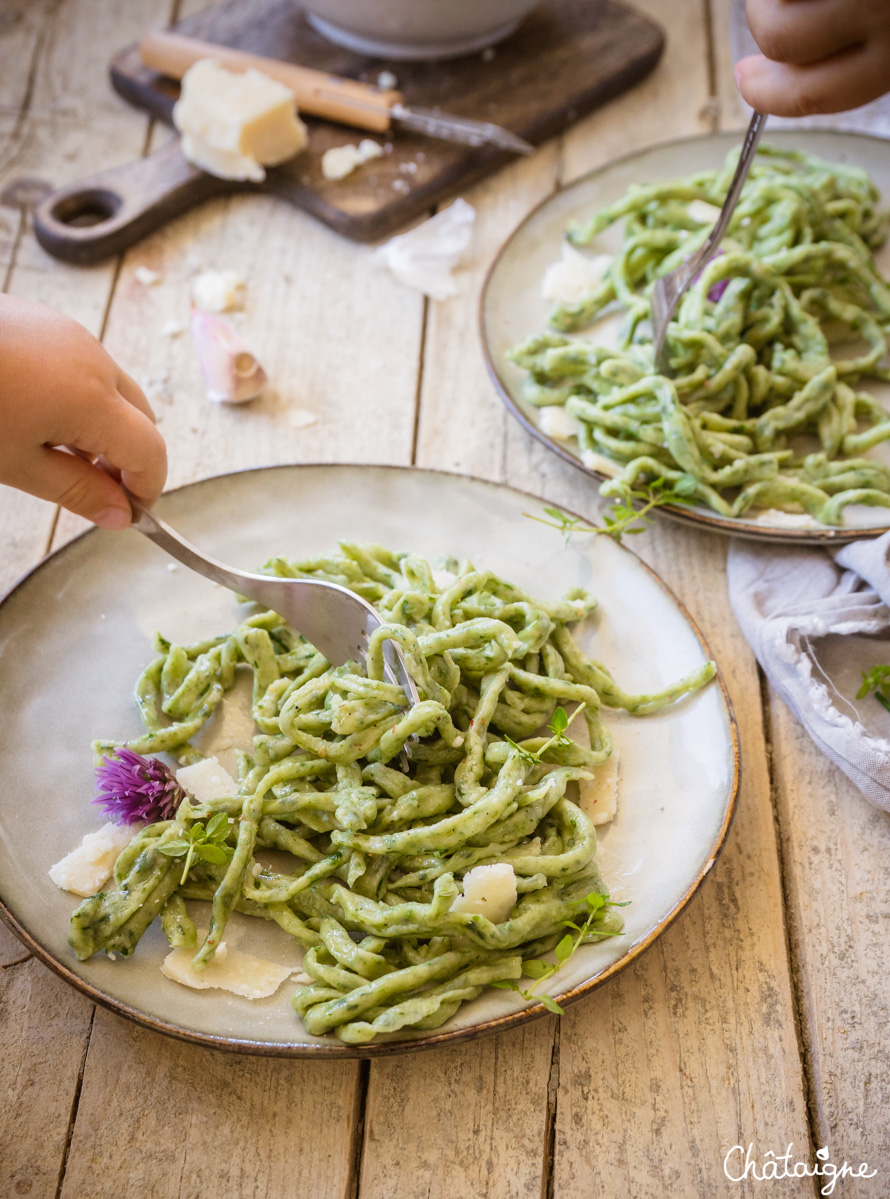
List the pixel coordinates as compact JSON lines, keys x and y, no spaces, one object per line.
{"x":76,"y":632}
{"x":512,"y":307}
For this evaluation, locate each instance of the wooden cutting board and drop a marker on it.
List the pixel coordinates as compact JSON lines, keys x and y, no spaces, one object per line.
{"x":565,"y":59}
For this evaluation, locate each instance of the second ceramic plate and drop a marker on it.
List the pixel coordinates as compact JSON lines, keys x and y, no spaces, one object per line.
{"x":512,"y":307}
{"x":75,"y":634}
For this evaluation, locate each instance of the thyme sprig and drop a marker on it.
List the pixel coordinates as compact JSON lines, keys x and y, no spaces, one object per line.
{"x":557,"y":726}
{"x":540,"y":970}
{"x":629,"y":513}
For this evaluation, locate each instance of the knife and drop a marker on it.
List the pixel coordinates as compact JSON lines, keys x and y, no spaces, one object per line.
{"x":347,"y":101}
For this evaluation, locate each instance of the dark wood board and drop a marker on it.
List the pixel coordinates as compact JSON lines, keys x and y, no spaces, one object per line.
{"x":565,"y":59}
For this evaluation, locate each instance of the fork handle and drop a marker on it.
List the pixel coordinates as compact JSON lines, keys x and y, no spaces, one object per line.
{"x":749,"y":148}
{"x":183,"y":551}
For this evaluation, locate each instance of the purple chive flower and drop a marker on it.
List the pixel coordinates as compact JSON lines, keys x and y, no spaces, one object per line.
{"x":719,"y":288}
{"x":132,"y":789}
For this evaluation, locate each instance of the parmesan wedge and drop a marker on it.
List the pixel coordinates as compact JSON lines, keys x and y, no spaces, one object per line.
{"x":228,"y":970}
{"x":703,"y":212}
{"x":489,"y":891}
{"x":85,"y":869}
{"x":558,"y":423}
{"x":235,"y":124}
{"x":598,"y":797}
{"x":575,"y":276}
{"x":206,"y":780}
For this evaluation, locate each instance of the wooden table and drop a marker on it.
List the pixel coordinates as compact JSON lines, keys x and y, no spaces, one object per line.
{"x":762,"y":1016}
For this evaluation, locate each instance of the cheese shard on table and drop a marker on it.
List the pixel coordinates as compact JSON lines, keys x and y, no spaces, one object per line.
{"x":228,"y":969}
{"x":85,"y":869}
{"x":218,"y":291}
{"x":489,"y":891}
{"x":233,"y":124}
{"x":206,"y":780}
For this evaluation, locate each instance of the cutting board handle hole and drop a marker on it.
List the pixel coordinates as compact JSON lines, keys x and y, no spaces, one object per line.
{"x":86,"y":208}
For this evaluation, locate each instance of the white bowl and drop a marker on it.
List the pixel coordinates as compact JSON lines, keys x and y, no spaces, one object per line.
{"x":416,"y":29}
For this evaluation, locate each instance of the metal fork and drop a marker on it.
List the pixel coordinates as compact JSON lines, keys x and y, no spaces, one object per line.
{"x":333,"y":619}
{"x":670,"y":289}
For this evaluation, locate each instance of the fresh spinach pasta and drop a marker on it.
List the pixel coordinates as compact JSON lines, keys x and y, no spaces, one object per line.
{"x":377,"y":857}
{"x":768,"y":351}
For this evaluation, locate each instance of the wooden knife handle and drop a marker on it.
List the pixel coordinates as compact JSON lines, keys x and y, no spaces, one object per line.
{"x":338,"y":99}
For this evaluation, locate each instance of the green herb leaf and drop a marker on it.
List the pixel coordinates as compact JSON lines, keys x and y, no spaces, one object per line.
{"x":597,"y":905}
{"x":526,"y":755}
{"x":207,"y":843}
{"x":174,"y":849}
{"x":565,"y":948}
{"x":629,"y":512}
{"x":208,"y":852}
{"x":560,"y":721}
{"x":876,"y":679}
{"x":217,"y":824}
{"x":536,"y":969}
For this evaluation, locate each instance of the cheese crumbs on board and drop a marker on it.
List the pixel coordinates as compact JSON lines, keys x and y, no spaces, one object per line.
{"x":340,"y":161}
{"x":235,"y":124}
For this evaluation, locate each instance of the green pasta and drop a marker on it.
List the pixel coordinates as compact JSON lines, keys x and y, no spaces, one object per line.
{"x":377,"y":856}
{"x":768,"y":349}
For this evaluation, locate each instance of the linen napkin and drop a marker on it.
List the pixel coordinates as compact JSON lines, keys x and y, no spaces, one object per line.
{"x":816,"y":620}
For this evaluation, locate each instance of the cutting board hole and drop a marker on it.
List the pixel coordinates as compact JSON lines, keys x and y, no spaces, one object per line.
{"x":87,"y":208}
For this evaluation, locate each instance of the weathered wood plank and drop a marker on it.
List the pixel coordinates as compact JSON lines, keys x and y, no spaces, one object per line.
{"x":462,"y":422}
{"x":54,"y":69}
{"x":44,"y":1025}
{"x":53,"y":100}
{"x":11,"y":949}
{"x":338,"y":337}
{"x":160,"y":1118}
{"x":835,"y":848}
{"x":460,"y":1120}
{"x":25,"y":524}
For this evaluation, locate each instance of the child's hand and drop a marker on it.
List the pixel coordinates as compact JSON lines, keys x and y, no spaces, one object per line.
{"x":59,"y":387}
{"x":821,"y":55}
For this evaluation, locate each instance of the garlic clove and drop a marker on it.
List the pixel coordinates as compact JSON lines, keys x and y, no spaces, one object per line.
{"x":232,"y":373}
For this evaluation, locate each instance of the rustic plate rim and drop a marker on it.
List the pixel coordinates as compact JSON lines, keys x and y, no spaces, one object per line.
{"x":824,"y":536}
{"x":336,"y":1050}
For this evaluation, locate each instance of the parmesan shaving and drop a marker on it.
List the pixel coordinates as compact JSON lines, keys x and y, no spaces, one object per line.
{"x":228,"y":970}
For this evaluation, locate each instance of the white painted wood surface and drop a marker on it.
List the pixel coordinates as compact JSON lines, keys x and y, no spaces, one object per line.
{"x":761,"y":1016}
